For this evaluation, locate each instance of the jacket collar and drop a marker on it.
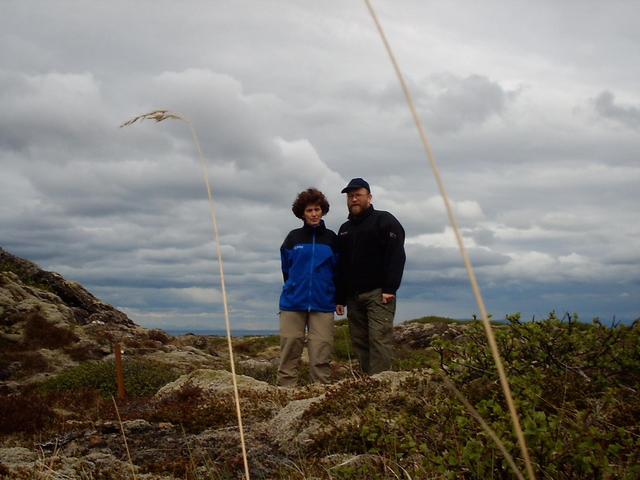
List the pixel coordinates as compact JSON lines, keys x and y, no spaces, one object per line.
{"x":319,"y":229}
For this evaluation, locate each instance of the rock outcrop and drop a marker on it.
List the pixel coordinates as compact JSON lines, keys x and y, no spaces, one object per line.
{"x":49,"y":324}
{"x":416,"y":335}
{"x":215,"y":382}
{"x":30,"y":286}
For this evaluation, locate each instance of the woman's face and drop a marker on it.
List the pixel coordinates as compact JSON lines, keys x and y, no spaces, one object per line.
{"x":312,"y":215}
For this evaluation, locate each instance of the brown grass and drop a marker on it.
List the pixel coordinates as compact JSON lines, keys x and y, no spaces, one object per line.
{"x":40,"y":333}
{"x":24,"y":414}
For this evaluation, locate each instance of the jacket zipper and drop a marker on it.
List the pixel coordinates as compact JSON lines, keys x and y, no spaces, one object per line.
{"x":313,"y":254}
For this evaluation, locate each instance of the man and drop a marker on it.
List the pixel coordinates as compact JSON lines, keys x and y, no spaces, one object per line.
{"x":371,"y":247}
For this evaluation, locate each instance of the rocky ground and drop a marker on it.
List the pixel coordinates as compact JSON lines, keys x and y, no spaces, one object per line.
{"x":188,"y":429}
{"x":60,"y":419}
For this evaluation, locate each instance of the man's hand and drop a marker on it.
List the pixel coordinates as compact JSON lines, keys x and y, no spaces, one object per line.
{"x":340,"y":309}
{"x":387,"y":297}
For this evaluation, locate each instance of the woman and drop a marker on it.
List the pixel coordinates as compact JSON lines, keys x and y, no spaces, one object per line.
{"x":307,"y":301}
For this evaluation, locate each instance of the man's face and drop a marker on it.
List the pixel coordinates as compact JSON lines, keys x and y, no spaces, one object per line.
{"x":358,"y":201}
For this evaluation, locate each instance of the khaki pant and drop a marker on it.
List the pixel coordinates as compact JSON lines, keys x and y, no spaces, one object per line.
{"x":371,"y":329}
{"x":319,"y":343}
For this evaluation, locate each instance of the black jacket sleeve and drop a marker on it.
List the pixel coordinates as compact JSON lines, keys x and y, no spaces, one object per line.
{"x":394,"y":256}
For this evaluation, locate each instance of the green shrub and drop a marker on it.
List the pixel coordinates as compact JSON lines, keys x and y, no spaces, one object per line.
{"x":575,"y":386}
{"x":571,"y":381}
{"x":141,"y":378}
{"x":408,"y":359}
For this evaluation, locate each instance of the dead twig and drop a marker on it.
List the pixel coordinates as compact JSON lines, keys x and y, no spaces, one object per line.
{"x":124,"y":438}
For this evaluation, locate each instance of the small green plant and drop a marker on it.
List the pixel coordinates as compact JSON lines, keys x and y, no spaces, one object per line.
{"x":141,"y":378}
{"x":342,"y":343}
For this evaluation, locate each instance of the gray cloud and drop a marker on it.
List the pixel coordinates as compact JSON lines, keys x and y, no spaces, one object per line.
{"x":287,"y":95}
{"x":605,"y":105}
{"x":458,"y":102}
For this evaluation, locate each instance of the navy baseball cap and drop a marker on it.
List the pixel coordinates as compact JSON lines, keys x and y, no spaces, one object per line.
{"x":355,"y":184}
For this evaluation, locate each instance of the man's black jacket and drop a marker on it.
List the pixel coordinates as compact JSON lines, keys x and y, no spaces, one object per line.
{"x":371,"y":248}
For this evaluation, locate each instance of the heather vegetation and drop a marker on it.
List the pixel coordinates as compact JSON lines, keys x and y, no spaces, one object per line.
{"x":576,"y":387}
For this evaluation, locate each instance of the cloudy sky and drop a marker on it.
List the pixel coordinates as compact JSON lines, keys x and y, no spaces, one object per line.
{"x":532,"y":110}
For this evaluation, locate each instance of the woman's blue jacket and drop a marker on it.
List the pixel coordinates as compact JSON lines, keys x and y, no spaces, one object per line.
{"x":309,"y":259}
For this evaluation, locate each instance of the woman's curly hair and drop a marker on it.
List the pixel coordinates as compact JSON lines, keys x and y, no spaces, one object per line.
{"x":311,"y":196}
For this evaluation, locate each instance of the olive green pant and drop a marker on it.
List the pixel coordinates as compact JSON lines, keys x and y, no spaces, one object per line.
{"x":371,"y":330}
{"x":319,"y":343}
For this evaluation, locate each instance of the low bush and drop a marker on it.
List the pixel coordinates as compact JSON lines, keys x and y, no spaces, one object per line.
{"x":141,"y":378}
{"x":575,"y":384}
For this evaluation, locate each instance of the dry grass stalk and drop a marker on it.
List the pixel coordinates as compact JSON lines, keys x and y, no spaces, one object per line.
{"x":46,"y":470}
{"x":124,"y":438}
{"x":465,"y":256}
{"x":159,"y":116}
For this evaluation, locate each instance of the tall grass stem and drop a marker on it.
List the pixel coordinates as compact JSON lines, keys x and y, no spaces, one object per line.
{"x":465,"y":256}
{"x":159,"y":116}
